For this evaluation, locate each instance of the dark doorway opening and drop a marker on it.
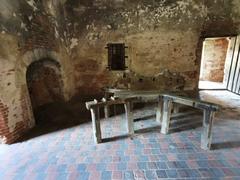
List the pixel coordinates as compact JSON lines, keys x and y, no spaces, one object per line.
{"x":51,"y":111}
{"x":45,"y":86}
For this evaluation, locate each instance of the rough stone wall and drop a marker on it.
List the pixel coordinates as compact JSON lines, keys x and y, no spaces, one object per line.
{"x":162,"y":36}
{"x":164,"y":40}
{"x":213,"y":59}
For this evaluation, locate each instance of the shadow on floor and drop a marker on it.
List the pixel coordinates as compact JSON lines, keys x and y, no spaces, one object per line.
{"x":226,"y":145}
{"x":56,"y":116}
{"x":114,"y":138}
{"x":40,"y":130}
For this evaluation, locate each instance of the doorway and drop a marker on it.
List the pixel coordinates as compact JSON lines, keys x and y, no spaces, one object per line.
{"x":220,"y":64}
{"x":44,"y":85}
{"x":213,"y":70}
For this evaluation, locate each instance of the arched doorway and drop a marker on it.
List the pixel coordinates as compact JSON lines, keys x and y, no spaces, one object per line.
{"x":45,"y":85}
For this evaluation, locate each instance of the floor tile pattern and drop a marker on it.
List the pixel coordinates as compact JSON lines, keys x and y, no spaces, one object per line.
{"x":71,"y":154}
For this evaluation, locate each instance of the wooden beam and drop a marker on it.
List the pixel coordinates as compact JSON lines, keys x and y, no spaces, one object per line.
{"x":176,"y":108}
{"x":93,"y":104}
{"x":233,"y":65}
{"x":129,"y":117}
{"x":159,"y":110}
{"x":236,"y":76}
{"x":229,"y":57}
{"x":206,"y":137}
{"x":182,"y":114}
{"x":106,"y":108}
{"x":191,"y":102}
{"x":167,"y":109}
{"x":96,"y":125}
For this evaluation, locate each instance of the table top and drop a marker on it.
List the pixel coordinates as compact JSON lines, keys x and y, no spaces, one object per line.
{"x":129,"y":92}
{"x":153,"y":95}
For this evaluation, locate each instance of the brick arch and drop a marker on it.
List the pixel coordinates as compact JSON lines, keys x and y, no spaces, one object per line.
{"x":33,"y":56}
{"x":16,"y":113}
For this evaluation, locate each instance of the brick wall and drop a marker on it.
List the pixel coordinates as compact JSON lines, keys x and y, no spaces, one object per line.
{"x":8,"y":135}
{"x":39,"y":34}
{"x":213,"y":60}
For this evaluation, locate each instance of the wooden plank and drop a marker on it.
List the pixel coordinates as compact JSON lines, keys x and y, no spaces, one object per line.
{"x":236,"y":87}
{"x":236,"y":76}
{"x":129,"y":118}
{"x":206,"y":137}
{"x":239,"y":87}
{"x":233,"y":65}
{"x":93,"y":104}
{"x":183,"y":101}
{"x":159,"y":110}
{"x":106,"y":111}
{"x":167,"y":109}
{"x":183,"y":114}
{"x":96,"y":125}
{"x":229,"y":57}
{"x":193,"y":118}
{"x":238,"y":81}
{"x":191,"y":102}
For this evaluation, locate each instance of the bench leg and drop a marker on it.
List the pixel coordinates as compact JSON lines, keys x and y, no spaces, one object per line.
{"x":176,"y":108}
{"x":106,"y":111}
{"x":206,"y":138}
{"x":159,"y":110}
{"x":167,"y":109}
{"x":129,"y":117}
{"x":96,"y":125}
{"x":106,"y":108}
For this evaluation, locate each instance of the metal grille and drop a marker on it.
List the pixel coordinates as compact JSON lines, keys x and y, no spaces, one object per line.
{"x":116,"y":56}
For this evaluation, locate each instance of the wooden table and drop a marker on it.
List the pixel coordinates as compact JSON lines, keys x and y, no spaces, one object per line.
{"x":168,"y":103}
{"x":208,"y":109}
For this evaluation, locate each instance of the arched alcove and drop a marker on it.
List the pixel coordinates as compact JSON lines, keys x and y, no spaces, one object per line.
{"x":45,"y":85}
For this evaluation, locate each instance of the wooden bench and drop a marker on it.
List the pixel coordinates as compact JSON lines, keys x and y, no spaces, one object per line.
{"x":94,"y":106}
{"x":141,"y":96}
{"x":209,"y":109}
{"x":168,"y":103}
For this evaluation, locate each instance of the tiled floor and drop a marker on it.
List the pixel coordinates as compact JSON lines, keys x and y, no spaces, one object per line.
{"x":71,"y":153}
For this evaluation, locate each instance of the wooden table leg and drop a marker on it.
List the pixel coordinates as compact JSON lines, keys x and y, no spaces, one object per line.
{"x":129,"y":117}
{"x":206,"y":137}
{"x":106,"y":108}
{"x":96,"y":125}
{"x":159,"y":110}
{"x":176,"y":108}
{"x":167,"y":109}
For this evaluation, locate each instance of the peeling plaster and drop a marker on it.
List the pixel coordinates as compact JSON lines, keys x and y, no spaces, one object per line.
{"x":32,"y":4}
{"x":23,"y":26}
{"x":74,"y":43}
{"x":30,"y":18}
